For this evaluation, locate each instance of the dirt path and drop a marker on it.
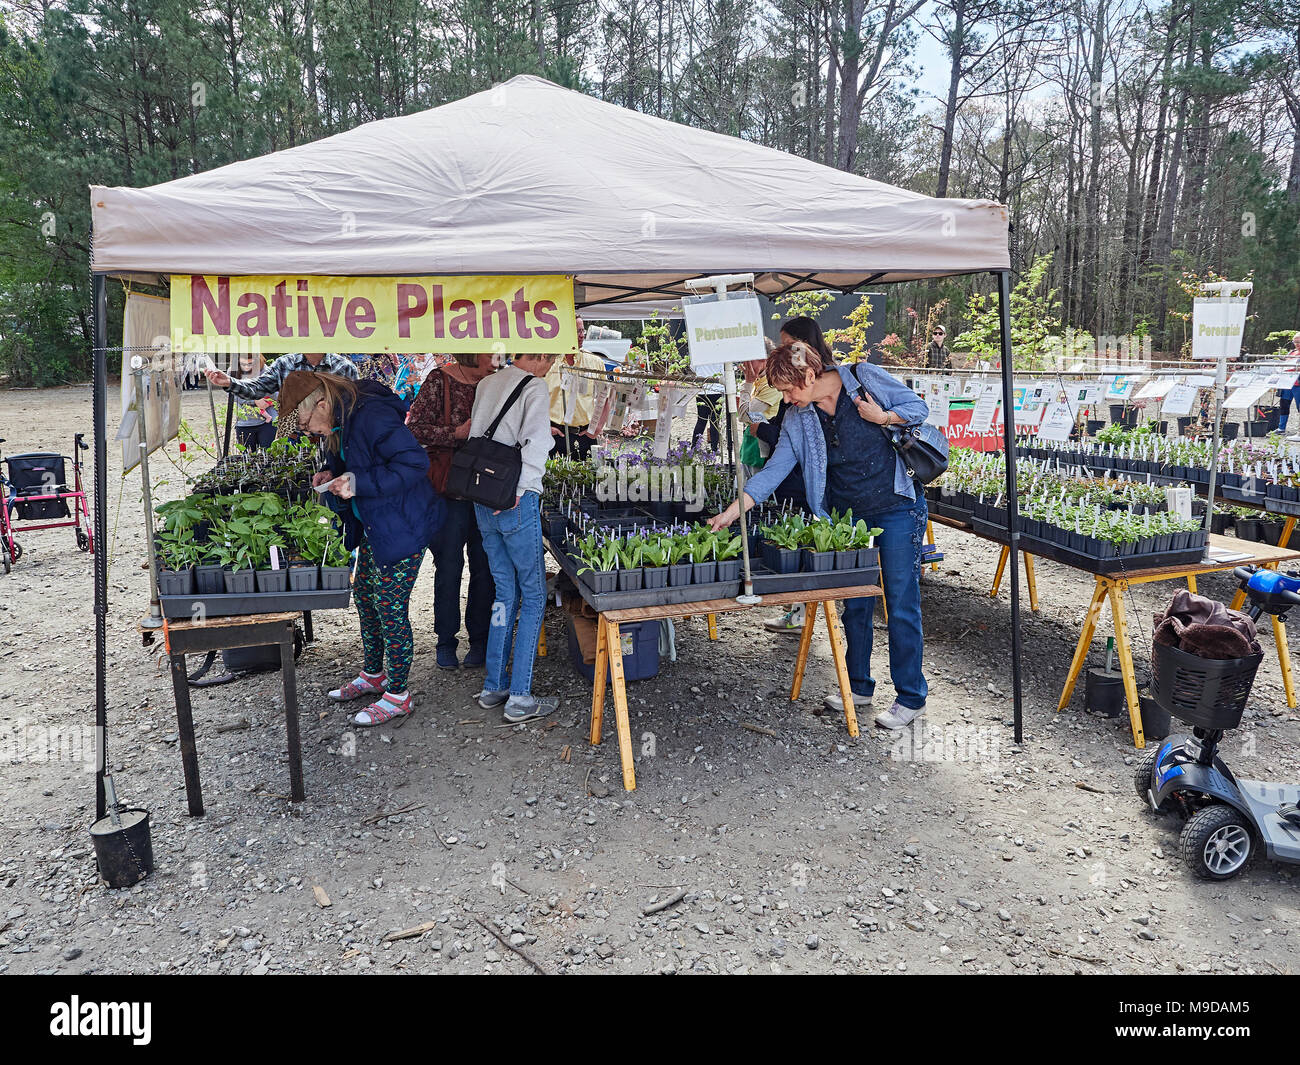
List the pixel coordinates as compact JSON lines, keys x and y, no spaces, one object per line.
{"x":803,"y":851}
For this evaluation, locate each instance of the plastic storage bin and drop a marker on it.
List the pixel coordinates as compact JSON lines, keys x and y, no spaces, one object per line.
{"x":640,"y":651}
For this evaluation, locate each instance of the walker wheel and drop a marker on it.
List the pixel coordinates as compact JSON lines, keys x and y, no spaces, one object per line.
{"x":18,"y":551}
{"x":83,"y":541}
{"x":1216,"y":842}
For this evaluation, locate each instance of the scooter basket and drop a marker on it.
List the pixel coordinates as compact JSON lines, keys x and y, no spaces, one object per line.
{"x":1208,"y":692}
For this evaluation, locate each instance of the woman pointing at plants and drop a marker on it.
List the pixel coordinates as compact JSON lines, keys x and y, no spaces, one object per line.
{"x":833,"y":433}
{"x":378,"y":480}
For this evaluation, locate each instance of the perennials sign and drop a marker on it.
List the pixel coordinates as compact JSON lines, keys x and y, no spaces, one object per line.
{"x":275,"y":314}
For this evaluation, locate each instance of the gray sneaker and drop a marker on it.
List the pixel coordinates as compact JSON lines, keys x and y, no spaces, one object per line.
{"x":898,"y":716}
{"x":835,"y":704}
{"x":529,"y":707}
{"x":491,"y":700}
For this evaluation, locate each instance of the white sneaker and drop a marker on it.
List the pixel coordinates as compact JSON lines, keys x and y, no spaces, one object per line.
{"x":835,"y":704}
{"x":898,"y":716}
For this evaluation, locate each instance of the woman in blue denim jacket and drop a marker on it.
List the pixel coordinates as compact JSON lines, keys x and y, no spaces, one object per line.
{"x":834,"y":436}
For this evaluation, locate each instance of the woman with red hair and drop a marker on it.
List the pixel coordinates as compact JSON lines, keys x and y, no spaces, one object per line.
{"x":835,"y":432}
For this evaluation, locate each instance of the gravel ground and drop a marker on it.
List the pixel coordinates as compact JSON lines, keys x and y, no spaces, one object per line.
{"x":801,"y":851}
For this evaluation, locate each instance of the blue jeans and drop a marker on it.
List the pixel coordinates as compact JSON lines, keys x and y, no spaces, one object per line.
{"x":460,"y":534}
{"x":513,"y":542}
{"x":903,"y":532}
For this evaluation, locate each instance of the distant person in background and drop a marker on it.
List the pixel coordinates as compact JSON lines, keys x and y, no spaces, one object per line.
{"x":440,"y":420}
{"x":268,"y":382}
{"x":937,"y":356}
{"x":574,"y":407}
{"x":759,"y":403}
{"x":1288,"y":394}
{"x":254,"y":421}
{"x":807,"y":331}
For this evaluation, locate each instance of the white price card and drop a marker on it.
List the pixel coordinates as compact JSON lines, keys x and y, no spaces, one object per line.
{"x":1246,"y":396}
{"x":981,"y":419}
{"x":1155,"y":388}
{"x":1179,"y":400}
{"x":1058,"y":421}
{"x":938,"y":411}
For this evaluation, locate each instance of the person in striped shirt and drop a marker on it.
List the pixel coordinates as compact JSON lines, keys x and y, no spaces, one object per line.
{"x":268,"y":382}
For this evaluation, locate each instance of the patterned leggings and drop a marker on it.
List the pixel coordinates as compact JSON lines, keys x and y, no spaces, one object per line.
{"x":383,"y":598}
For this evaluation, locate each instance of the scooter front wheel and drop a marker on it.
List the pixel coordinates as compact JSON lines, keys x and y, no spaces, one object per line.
{"x":1144,"y":777}
{"x":1216,"y":842}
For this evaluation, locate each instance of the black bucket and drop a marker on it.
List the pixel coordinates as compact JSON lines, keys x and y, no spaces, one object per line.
{"x":1104,"y":693}
{"x":1156,"y":722}
{"x":123,"y":851}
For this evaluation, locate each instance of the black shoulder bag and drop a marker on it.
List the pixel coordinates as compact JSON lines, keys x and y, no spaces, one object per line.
{"x":923,"y":448}
{"x":487,"y":471}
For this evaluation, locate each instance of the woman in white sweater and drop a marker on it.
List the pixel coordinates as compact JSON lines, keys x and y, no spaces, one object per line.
{"x":512,"y":539}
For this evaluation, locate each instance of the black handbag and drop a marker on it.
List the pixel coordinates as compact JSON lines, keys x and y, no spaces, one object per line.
{"x":487,"y":471}
{"x":923,"y":449}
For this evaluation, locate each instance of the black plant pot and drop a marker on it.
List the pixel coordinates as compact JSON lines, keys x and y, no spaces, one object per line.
{"x":334,"y":578}
{"x":846,"y":559}
{"x":704,"y":572}
{"x":654,"y":577}
{"x":239,"y":581}
{"x":209,"y":580}
{"x":811,"y":561}
{"x":729,"y":569}
{"x":1230,"y":430}
{"x":602,"y":580}
{"x":1248,"y":529}
{"x":781,"y":559}
{"x":1219,"y":523}
{"x":679,"y":573}
{"x":629,"y":580}
{"x":272,"y":580}
{"x":176,"y":582}
{"x":868,"y":557}
{"x":304,"y":578}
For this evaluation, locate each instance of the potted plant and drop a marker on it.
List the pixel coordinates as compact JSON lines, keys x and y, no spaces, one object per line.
{"x":726,"y":550}
{"x":842,"y":543}
{"x":177,"y":555}
{"x":654,"y":562}
{"x":336,"y":567}
{"x":864,"y":539}
{"x":598,"y":559}
{"x":704,"y":567}
{"x":237,"y":571}
{"x":629,"y":563}
{"x":679,"y":563}
{"x":817,"y":555}
{"x":781,"y":549}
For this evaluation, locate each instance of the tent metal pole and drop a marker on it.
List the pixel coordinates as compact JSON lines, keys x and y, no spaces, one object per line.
{"x":230,"y":417}
{"x":1013,"y":520}
{"x":99,"y":292}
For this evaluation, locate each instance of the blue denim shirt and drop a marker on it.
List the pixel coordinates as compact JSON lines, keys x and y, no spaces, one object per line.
{"x":802,"y":442}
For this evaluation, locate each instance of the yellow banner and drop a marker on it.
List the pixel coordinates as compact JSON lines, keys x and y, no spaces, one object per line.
{"x":276,"y":314}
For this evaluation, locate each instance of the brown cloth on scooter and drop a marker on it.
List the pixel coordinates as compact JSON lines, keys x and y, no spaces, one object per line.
{"x":1206,"y":628}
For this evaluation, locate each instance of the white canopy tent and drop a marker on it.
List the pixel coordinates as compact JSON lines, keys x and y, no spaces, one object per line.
{"x":529,"y":177}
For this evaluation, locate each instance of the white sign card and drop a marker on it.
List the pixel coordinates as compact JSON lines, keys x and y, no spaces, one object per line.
{"x":719,"y":331}
{"x":938,"y":411}
{"x":1058,"y":421}
{"x":1179,"y":400}
{"x":1155,"y":388}
{"x":1246,"y":395}
{"x":981,"y":419}
{"x":146,"y":327}
{"x":1217,"y":327}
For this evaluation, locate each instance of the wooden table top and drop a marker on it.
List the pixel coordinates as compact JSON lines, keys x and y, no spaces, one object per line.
{"x":229,"y":620}
{"x":724,"y":606}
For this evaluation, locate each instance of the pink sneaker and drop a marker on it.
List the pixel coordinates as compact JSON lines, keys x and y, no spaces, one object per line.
{"x":383,"y":710}
{"x":362,"y":685}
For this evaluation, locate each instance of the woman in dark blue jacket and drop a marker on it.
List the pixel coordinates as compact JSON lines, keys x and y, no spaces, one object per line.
{"x":379,"y":475}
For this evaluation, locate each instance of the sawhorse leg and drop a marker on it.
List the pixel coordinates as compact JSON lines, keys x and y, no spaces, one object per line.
{"x":613,"y":646}
{"x":713,"y":627}
{"x":1126,"y":662}
{"x":1191,"y":583}
{"x":805,"y":644}
{"x":1283,"y":659}
{"x":841,"y":665}
{"x":929,"y":539}
{"x":598,"y":687}
{"x":997,"y":577}
{"x":1085,"y":642}
{"x":185,"y":731}
{"x":1031,"y":580}
{"x":541,"y":640}
{"x":289,"y":678}
{"x":1287,"y":530}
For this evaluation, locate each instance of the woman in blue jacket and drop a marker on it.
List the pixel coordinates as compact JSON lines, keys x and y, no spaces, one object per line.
{"x":379,"y":474}
{"x":833,"y":434}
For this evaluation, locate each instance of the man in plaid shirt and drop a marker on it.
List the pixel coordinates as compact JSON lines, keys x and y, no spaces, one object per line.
{"x":269,"y":381}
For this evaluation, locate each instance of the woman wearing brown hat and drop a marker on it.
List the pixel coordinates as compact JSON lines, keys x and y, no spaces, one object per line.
{"x":379,"y":484}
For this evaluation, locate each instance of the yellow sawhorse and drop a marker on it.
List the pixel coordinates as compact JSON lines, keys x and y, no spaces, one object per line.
{"x":609,"y":666}
{"x":1030,"y":578}
{"x":1111,"y":589}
